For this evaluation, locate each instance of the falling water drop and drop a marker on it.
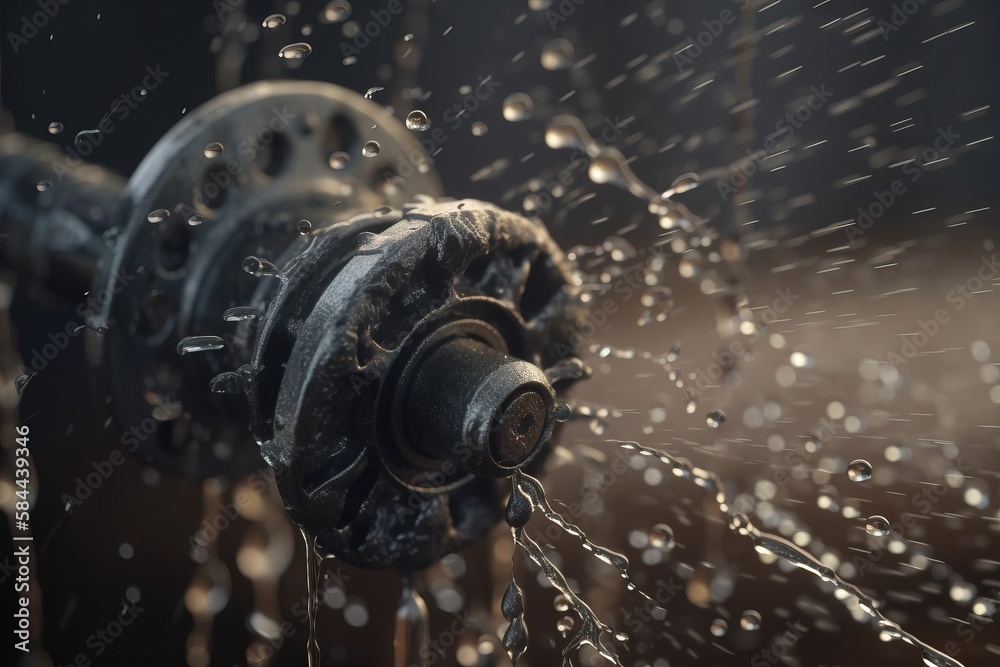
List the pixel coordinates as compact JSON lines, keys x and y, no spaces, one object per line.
{"x":296,"y":50}
{"x":560,"y":603}
{"x":200,"y":344}
{"x":661,"y":536}
{"x":682,"y":184}
{"x":55,"y":127}
{"x":418,"y":120}
{"x":336,"y":11}
{"x":411,"y":642}
{"x":750,"y":620}
{"x":718,"y":628}
{"x":339,"y":160}
{"x":515,"y":639}
{"x":159,"y":215}
{"x":859,"y":470}
{"x":621,"y":636}
{"x":213,"y":149}
{"x":273,"y":21}
{"x":565,"y":624}
{"x":877,"y":526}
{"x":196,"y":220}
{"x":563,"y":412}
{"x":518,"y":107}
{"x":42,"y":186}
{"x":22,"y":381}
{"x":518,"y":508}
{"x":371,"y":148}
{"x":240,"y":314}
{"x":258,"y":267}
{"x":229,"y":382}
{"x":479,"y":128}
{"x":715,"y":418}
{"x":303,"y":227}
{"x":557,"y":54}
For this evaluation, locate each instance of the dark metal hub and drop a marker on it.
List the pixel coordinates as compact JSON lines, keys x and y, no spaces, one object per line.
{"x":391,"y":373}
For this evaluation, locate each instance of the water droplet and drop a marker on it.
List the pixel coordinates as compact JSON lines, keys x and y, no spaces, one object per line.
{"x":196,"y":220}
{"x":296,"y":50}
{"x":339,"y":160}
{"x":227,"y":383}
{"x":750,"y":620}
{"x":43,"y":186}
{"x":159,"y":215}
{"x":418,"y":120}
{"x":563,"y":412}
{"x":479,"y":128}
{"x":371,"y":91}
{"x":408,"y":37}
{"x":371,"y":148}
{"x":200,"y":344}
{"x":683,"y":183}
{"x":621,"y":636}
{"x":336,"y":11}
{"x":240,"y":314}
{"x":560,"y":603}
{"x":55,"y":127}
{"x":518,"y":508}
{"x":859,"y":470}
{"x":877,"y":526}
{"x":565,"y":624}
{"x":273,"y":21}
{"x":715,"y":418}
{"x":718,"y":628}
{"x":365,"y":239}
{"x":258,"y":267}
{"x":518,"y":107}
{"x":214,"y":149}
{"x":691,"y":406}
{"x":557,"y":54}
{"x":661,"y":536}
{"x":22,"y":381}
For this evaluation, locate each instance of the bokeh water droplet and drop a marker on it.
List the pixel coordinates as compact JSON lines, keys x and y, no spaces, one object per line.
{"x":877,"y":526}
{"x":418,"y":120}
{"x":715,"y":418}
{"x":518,"y":107}
{"x":273,"y":21}
{"x":371,"y":148}
{"x":750,"y":620}
{"x":296,"y":50}
{"x":859,"y":470}
{"x":557,"y":54}
{"x":213,"y":149}
{"x":339,"y":160}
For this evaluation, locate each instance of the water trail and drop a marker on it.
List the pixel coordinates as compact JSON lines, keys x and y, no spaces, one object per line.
{"x":412,"y":637}
{"x":778,"y":546}
{"x":592,"y":630}
{"x":312,"y":589}
{"x":533,"y":490}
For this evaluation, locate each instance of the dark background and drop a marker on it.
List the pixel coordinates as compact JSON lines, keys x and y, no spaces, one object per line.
{"x":88,"y":62}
